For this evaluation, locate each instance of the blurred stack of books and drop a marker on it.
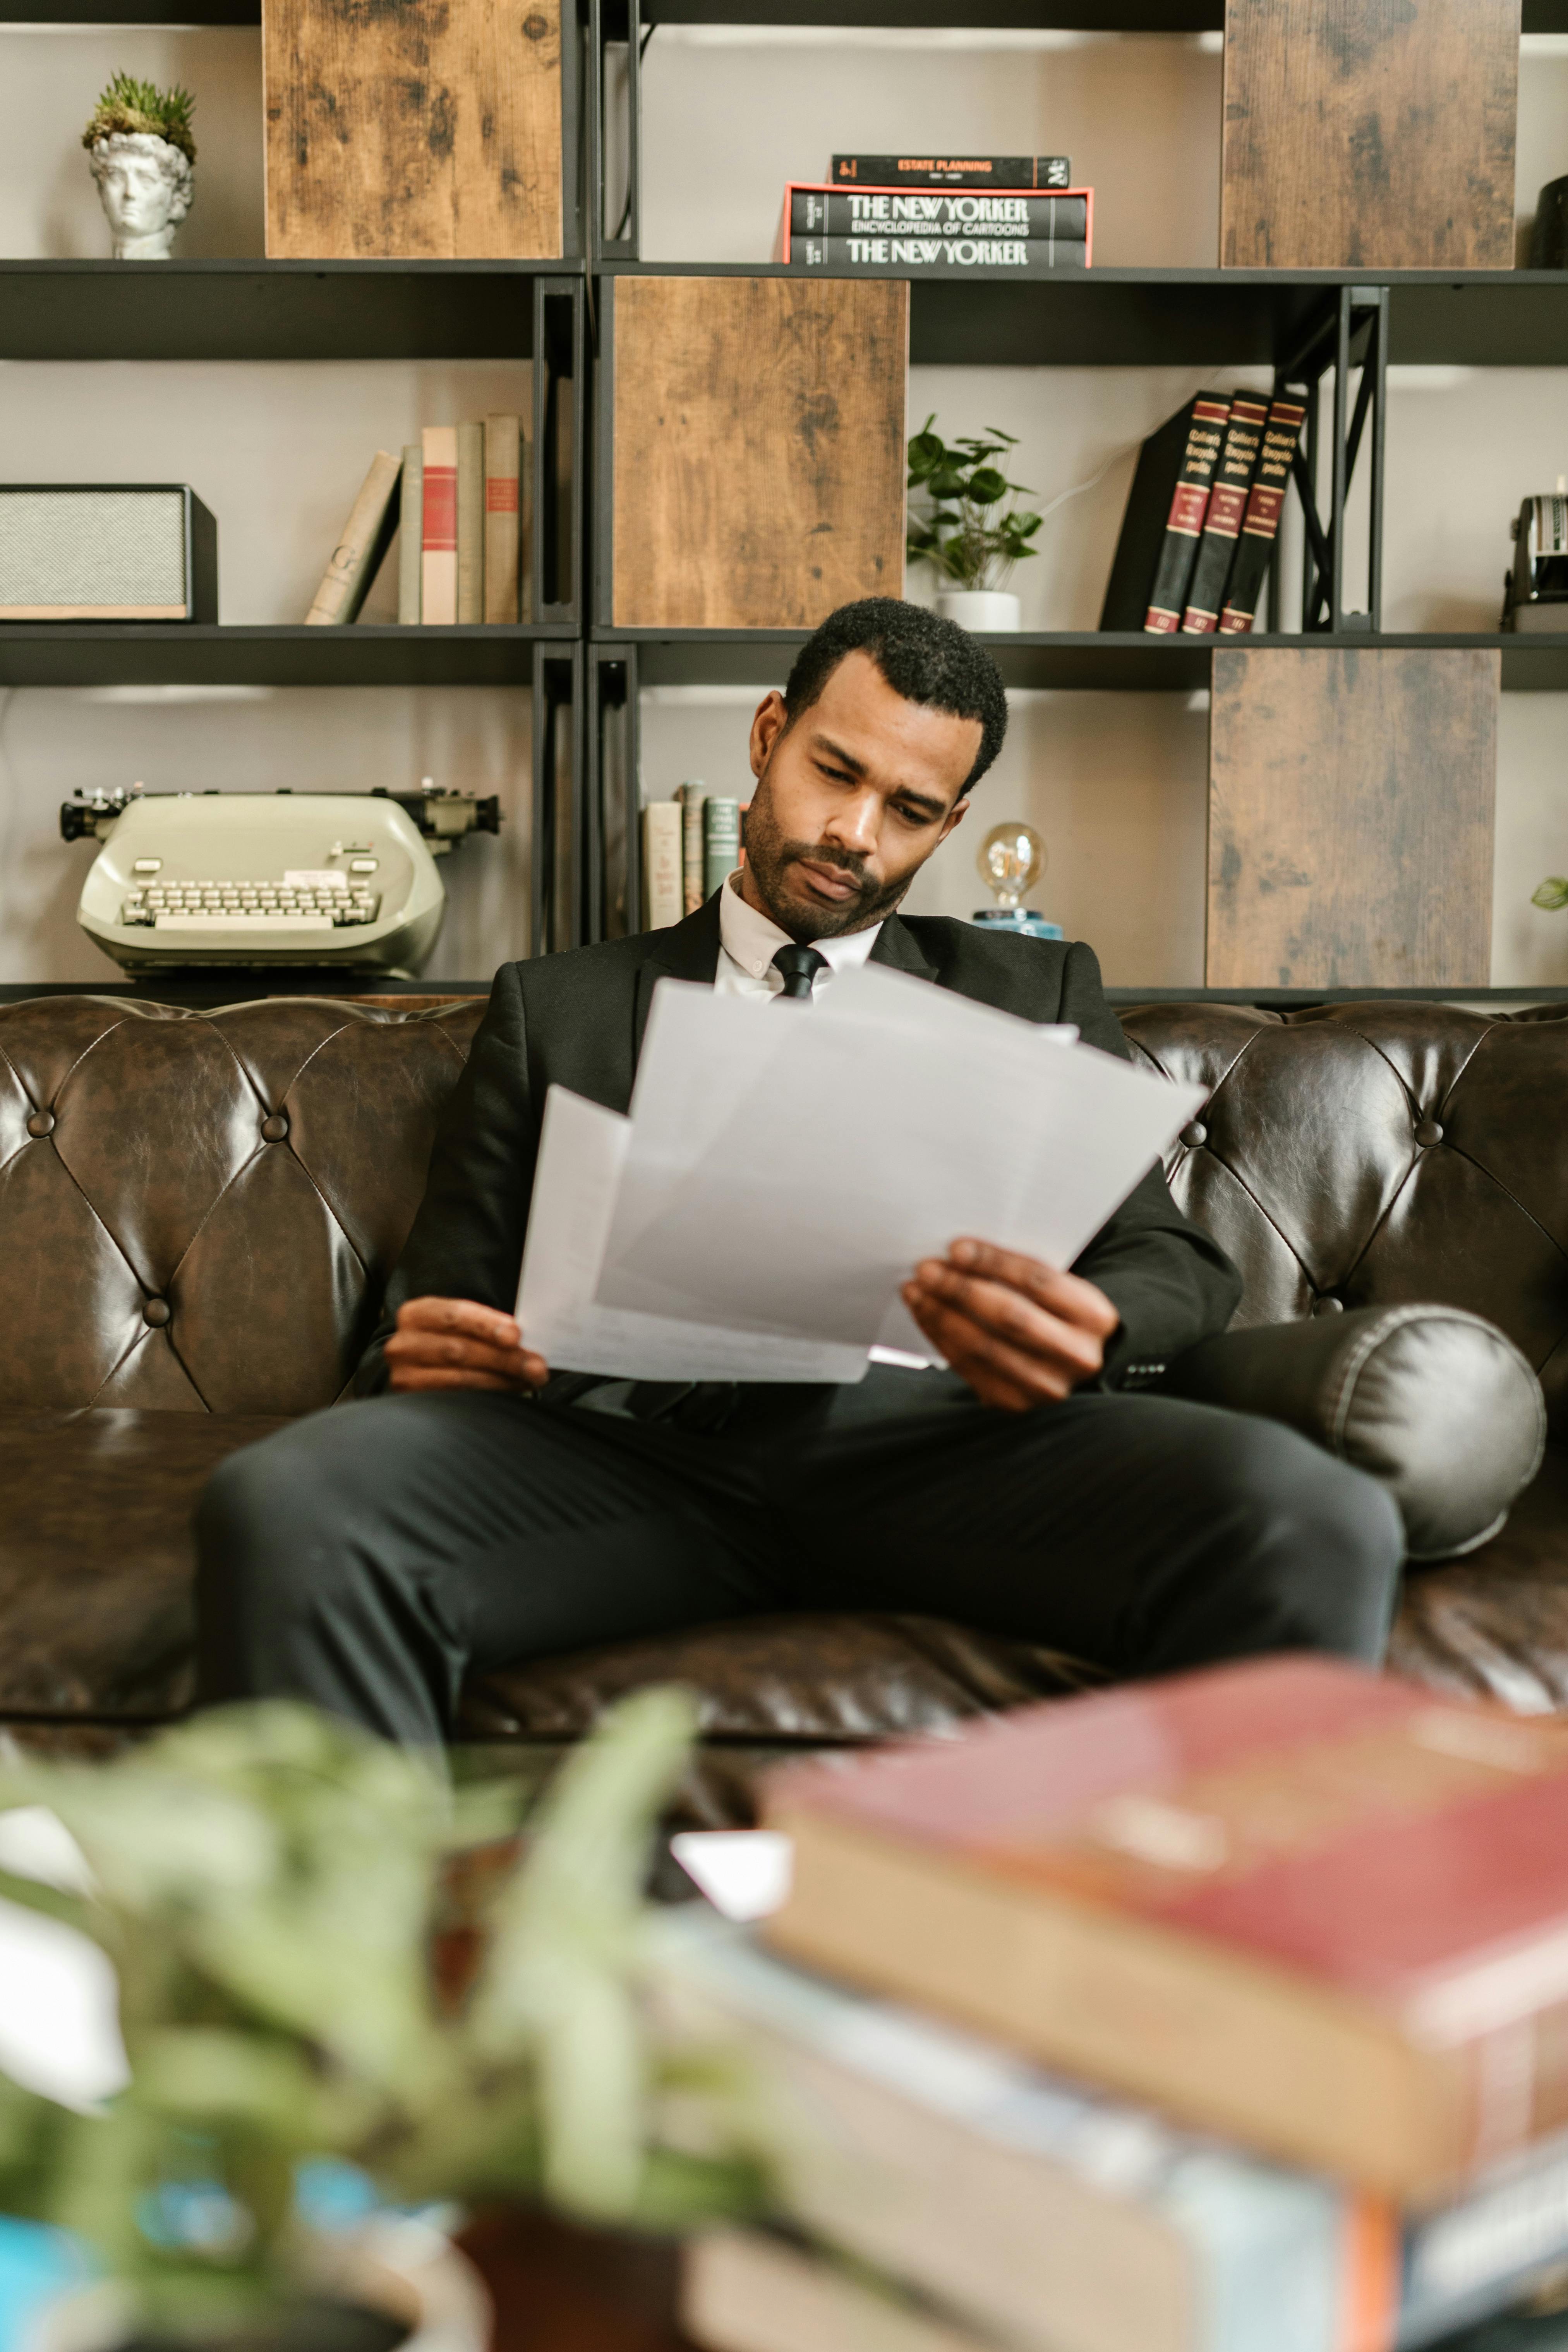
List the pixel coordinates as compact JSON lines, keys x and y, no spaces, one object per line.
{"x":933,"y":216}
{"x":1297,"y":1937}
{"x":456,"y":498}
{"x":690,"y":846}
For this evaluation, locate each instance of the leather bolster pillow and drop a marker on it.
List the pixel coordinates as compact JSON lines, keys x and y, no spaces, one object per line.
{"x":1437,"y":1404}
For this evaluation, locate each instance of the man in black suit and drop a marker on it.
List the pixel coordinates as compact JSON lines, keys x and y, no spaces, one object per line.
{"x":473,"y":1511}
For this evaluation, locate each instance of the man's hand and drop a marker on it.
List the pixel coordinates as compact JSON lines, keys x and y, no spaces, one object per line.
{"x":1020,"y":1333}
{"x":456,"y":1343}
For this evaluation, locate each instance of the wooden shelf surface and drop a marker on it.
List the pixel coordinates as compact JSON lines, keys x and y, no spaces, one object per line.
{"x":255,"y":309}
{"x":1088,"y":659}
{"x":136,"y":653}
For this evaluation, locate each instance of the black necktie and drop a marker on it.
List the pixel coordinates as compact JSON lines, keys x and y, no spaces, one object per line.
{"x":800,"y":966}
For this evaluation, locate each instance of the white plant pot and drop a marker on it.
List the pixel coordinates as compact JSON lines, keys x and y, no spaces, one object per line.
{"x":980,"y":608}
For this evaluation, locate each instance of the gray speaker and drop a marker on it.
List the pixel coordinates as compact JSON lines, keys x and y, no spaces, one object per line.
{"x":106,"y":551}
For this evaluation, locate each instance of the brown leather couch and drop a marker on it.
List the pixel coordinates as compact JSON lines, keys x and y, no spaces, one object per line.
{"x":199,"y":1211}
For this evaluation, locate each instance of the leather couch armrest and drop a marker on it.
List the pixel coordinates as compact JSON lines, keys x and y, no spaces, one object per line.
{"x":1437,"y":1404}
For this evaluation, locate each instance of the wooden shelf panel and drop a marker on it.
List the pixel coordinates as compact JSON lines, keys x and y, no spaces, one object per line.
{"x":270,"y":310}
{"x":133,"y":653}
{"x":1096,"y":660}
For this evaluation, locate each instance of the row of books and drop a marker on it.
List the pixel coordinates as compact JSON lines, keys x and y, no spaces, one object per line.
{"x":456,"y":499}
{"x":1297,"y":1937}
{"x":933,"y":218}
{"x":690,"y":846}
{"x":1202,"y":516}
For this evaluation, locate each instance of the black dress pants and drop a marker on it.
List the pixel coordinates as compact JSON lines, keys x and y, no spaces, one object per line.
{"x":367,"y":1557}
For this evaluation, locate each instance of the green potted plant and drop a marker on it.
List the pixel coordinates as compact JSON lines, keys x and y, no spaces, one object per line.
{"x":967,"y":532}
{"x":296,"y":1994}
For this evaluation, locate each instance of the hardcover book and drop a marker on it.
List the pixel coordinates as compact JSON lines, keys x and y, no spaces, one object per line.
{"x":411,"y":536}
{"x":721,"y":842}
{"x":1059,"y":2220}
{"x":929,"y":212}
{"x":663,"y":893}
{"x":439,"y":564}
{"x":1012,"y":229}
{"x":952,"y":171}
{"x":1222,"y":518}
{"x":503,"y":447}
{"x":1166,"y":506}
{"x":1260,"y":525}
{"x":1319,"y":1910}
{"x":470,"y":523}
{"x":931,"y":257}
{"x":692,"y":797}
{"x":365,"y":540}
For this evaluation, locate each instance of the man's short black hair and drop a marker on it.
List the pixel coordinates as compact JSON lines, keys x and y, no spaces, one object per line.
{"x":922,"y":657}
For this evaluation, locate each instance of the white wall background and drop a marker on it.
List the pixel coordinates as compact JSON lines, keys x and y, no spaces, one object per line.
{"x":1115,"y":781}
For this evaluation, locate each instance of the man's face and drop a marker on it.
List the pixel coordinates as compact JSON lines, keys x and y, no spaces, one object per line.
{"x":850,"y":801}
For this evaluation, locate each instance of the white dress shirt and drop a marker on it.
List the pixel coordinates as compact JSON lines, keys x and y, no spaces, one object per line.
{"x":749,"y":942}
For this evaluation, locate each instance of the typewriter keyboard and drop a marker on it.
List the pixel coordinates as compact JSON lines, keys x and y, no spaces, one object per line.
{"x":248,"y":906}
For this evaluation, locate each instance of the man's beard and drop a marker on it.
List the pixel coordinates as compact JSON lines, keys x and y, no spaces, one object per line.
{"x":770,"y":856}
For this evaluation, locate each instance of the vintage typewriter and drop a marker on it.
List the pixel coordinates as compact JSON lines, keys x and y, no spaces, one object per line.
{"x":323,"y":878}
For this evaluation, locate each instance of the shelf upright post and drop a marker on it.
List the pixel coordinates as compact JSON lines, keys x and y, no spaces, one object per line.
{"x":1377,"y":359}
{"x":556,"y":564}
{"x":557,"y":878}
{"x":613,"y":828}
{"x":1309,"y":553}
{"x":607,"y":244}
{"x":1337,"y":518}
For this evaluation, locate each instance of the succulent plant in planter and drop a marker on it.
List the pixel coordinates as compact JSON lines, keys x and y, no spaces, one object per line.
{"x":967,"y":533}
{"x":142,"y":156}
{"x":269,"y":1885}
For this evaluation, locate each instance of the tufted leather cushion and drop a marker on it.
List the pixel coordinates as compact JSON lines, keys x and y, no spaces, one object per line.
{"x":162,"y":1249}
{"x":1370,"y":1155}
{"x":814,"y":1680}
{"x":96,"y":1557}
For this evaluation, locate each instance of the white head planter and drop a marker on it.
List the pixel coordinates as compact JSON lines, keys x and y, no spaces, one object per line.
{"x":146,"y":187}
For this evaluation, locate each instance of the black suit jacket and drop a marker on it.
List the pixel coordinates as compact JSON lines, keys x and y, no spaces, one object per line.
{"x":576,"y":1020}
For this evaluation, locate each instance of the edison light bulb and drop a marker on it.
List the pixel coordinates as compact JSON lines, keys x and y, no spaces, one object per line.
{"x":1012,"y":859}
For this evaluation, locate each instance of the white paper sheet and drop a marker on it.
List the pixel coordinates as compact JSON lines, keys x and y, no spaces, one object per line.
{"x":583,"y":1149}
{"x":782,"y":1169}
{"x":879,"y":1134}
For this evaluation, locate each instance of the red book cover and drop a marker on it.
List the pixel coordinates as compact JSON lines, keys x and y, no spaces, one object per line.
{"x":1368,"y":1837}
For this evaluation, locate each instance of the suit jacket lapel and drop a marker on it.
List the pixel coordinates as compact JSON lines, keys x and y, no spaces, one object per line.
{"x":688,"y":951}
{"x":896,"y":946}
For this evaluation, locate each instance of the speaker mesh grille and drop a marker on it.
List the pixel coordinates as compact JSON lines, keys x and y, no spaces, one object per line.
{"x":92,"y":547}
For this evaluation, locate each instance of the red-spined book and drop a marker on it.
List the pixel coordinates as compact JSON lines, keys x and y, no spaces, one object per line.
{"x":1260,"y":525}
{"x":1320,"y":1911}
{"x":439,"y":546}
{"x":1222,"y":519}
{"x":1158,"y":543}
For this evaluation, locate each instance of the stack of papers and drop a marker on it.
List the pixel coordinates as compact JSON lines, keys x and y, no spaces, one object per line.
{"x":784,"y":1166}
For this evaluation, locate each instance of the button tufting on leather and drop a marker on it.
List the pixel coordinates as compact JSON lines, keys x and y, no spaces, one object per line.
{"x":157,"y":1311}
{"x":274,"y":1127}
{"x":1428,"y":1133}
{"x":1194,"y":1134}
{"x":41,"y":1122}
{"x":1329,"y":1304}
